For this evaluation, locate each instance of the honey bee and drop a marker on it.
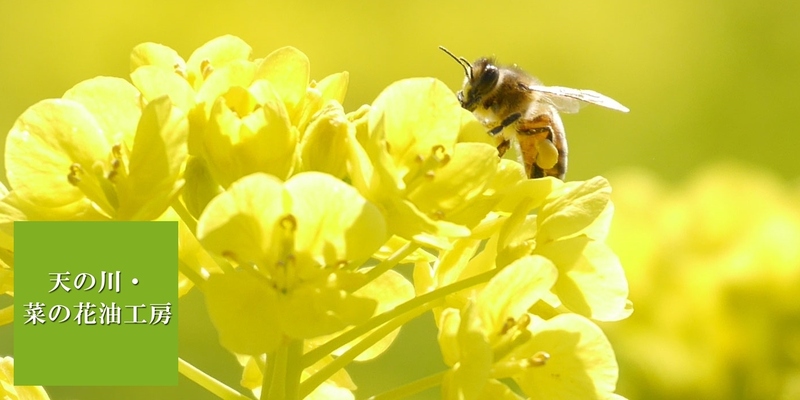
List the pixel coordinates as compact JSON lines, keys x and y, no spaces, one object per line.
{"x":521,"y":112}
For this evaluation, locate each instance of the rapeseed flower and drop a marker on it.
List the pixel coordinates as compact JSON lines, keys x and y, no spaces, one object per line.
{"x":294,"y":213}
{"x":715,"y":270}
{"x":97,"y":153}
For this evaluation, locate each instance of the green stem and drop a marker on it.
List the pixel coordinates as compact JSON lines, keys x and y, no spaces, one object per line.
{"x":294,"y":370}
{"x":390,"y":262}
{"x":185,"y":215}
{"x":267,"y":374}
{"x":392,"y":319}
{"x":273,"y":386}
{"x":190,"y":273}
{"x":340,"y":362}
{"x":415,"y":387}
{"x":209,"y":383}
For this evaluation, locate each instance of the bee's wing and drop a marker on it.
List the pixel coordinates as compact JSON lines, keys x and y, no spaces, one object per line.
{"x":564,"y":98}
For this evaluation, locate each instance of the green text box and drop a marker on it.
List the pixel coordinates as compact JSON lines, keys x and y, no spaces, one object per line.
{"x":110,"y":352}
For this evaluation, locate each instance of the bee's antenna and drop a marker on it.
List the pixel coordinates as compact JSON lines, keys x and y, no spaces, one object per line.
{"x":461,"y":61}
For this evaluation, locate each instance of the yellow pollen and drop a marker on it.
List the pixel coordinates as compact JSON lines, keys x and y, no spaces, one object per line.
{"x":206,"y":68}
{"x":179,"y":70}
{"x":510,"y":323}
{"x":73,"y":177}
{"x":289,"y":223}
{"x":539,"y":359}
{"x":230,"y":256}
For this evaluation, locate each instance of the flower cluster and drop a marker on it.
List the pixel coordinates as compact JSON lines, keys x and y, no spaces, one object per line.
{"x":715,"y":266}
{"x":293,"y":214}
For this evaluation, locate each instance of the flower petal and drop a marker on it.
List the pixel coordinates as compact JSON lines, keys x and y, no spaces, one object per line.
{"x":390,"y":289}
{"x":313,"y":310}
{"x":581,"y":363}
{"x":574,"y":210}
{"x":262,"y":141}
{"x":244,"y":311}
{"x":156,"y":55}
{"x":333,"y":86}
{"x":240,"y":221}
{"x":159,"y":151}
{"x":324,"y":145}
{"x":517,"y":287}
{"x":46,"y":140}
{"x":115,"y":104}
{"x":414,"y":116}
{"x":474,"y":354}
{"x":288,"y":70}
{"x":213,"y":55}
{"x":463,"y":178}
{"x":334,"y":222}
{"x":200,"y":186}
{"x":238,"y":73}
{"x":154,"y":82}
{"x":591,"y":280}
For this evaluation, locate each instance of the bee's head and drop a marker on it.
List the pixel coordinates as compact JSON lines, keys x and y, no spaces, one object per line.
{"x":481,"y":78}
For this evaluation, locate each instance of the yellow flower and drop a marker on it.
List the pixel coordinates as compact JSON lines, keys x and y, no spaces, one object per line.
{"x":96,"y":154}
{"x":715,"y":266}
{"x":390,"y":289}
{"x":572,"y":227}
{"x":294,"y":213}
{"x":407,"y":159}
{"x":246,"y":115}
{"x":294,"y":243}
{"x":493,"y":337}
{"x":11,"y":392}
{"x":576,"y":361}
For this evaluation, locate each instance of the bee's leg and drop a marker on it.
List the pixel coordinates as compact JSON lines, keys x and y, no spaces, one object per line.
{"x":504,"y":123}
{"x":541,"y":129}
{"x":503,"y":147}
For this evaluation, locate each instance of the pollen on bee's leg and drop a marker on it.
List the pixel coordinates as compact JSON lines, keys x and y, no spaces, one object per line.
{"x":548,"y":154}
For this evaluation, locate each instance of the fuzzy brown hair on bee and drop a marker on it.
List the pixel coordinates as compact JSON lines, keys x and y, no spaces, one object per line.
{"x":518,"y":109}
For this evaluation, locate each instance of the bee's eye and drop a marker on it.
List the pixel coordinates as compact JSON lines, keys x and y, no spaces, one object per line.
{"x":488,"y":78}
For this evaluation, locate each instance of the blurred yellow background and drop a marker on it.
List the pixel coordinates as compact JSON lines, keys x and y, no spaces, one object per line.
{"x":705,"y":82}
